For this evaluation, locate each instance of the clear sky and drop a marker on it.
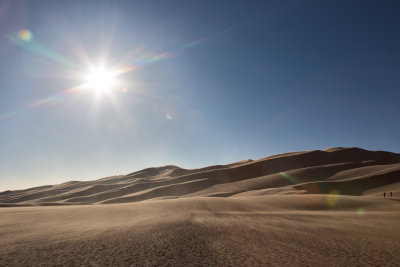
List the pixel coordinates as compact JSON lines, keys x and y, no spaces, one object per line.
{"x":195,"y":83}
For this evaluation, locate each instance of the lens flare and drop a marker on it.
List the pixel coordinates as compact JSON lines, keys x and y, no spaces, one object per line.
{"x":99,"y":79}
{"x":24,"y":38}
{"x":25,"y":35}
{"x":360,"y":211}
{"x":332,"y":198}
{"x":48,"y":100}
{"x":289,"y":177}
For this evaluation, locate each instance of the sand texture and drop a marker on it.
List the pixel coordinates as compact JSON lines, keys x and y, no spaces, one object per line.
{"x":312,"y":208}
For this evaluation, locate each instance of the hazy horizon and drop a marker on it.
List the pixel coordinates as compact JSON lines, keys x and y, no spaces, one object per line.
{"x":198,"y":83}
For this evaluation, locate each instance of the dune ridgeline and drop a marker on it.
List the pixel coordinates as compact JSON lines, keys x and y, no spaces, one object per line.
{"x":334,"y":171}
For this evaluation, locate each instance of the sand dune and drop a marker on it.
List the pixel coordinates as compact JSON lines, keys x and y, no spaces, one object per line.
{"x":310,"y":208}
{"x":347,"y":171}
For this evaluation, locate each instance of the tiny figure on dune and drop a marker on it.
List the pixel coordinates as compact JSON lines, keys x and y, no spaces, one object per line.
{"x":391,"y":195}
{"x":384,"y":194}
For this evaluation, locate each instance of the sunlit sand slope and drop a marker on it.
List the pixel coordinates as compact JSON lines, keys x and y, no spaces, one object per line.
{"x":346,"y":171}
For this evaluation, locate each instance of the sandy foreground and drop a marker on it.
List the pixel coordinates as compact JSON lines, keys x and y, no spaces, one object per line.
{"x":269,"y":230}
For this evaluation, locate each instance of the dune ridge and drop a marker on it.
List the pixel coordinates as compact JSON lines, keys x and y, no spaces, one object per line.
{"x":346,"y":171}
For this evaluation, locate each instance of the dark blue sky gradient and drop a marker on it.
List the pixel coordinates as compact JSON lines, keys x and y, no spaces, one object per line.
{"x":242,"y":79}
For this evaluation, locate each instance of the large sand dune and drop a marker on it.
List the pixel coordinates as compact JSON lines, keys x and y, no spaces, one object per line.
{"x":312,"y":208}
{"x":348,"y":171}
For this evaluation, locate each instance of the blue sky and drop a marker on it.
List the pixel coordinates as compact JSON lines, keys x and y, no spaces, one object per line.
{"x":205,"y":82}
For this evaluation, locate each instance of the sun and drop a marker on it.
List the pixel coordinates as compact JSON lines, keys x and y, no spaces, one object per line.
{"x":101,"y":79}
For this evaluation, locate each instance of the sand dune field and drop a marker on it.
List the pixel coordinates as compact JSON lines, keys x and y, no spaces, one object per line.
{"x":312,"y":208}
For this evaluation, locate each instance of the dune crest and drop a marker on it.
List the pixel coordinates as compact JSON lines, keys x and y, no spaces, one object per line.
{"x":345,"y":171}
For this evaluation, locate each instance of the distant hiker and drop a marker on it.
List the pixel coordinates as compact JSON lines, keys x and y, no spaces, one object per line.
{"x":384,"y":194}
{"x":391,"y":194}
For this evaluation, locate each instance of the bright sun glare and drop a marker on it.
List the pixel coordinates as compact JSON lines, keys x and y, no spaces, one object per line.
{"x":100,"y":79}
